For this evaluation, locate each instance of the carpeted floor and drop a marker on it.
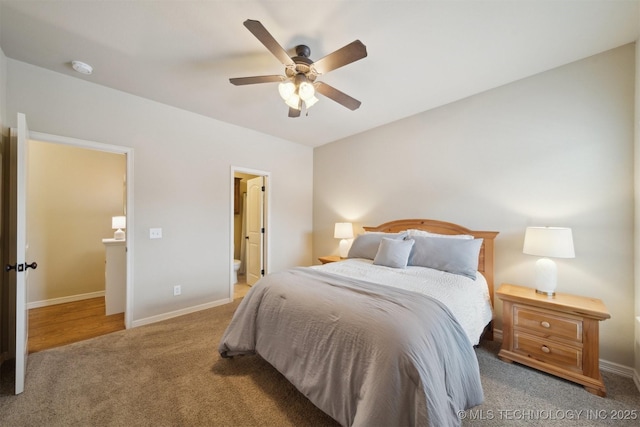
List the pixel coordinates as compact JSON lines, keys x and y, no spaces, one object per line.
{"x":170,"y":374}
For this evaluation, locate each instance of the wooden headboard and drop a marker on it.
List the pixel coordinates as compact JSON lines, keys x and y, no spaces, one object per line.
{"x":485,"y":259}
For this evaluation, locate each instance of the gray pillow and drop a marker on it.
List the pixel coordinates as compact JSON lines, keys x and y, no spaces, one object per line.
{"x":366,"y":245}
{"x":457,"y":256}
{"x":393,"y":253}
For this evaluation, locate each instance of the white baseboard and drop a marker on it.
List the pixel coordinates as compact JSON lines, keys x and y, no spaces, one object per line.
{"x":605,"y":365}
{"x":62,"y":300}
{"x":614,"y":368}
{"x":181,"y":312}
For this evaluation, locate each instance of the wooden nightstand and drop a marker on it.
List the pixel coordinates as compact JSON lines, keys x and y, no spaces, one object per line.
{"x":329,"y":258}
{"x":557,"y":335}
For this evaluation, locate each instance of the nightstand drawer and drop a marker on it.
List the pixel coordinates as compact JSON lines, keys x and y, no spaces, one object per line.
{"x":547,"y":324}
{"x":563,"y":356}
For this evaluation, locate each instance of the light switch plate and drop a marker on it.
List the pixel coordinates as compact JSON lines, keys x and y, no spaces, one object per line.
{"x":155,"y":233}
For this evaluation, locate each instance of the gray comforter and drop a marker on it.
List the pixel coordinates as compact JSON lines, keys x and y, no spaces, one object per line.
{"x":366,"y":354}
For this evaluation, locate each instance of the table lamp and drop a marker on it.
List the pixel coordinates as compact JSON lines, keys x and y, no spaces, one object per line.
{"x":548,"y":242}
{"x":118,"y":223}
{"x":344,"y":231}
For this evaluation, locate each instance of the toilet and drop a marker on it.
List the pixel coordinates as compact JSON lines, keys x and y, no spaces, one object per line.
{"x":236,"y":267}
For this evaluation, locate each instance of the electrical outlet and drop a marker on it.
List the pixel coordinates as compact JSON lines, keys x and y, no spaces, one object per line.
{"x":155,"y":233}
{"x":177,"y":290}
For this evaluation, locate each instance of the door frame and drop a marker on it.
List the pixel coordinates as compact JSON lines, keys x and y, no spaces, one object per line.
{"x":267,"y":223}
{"x":115,"y":149}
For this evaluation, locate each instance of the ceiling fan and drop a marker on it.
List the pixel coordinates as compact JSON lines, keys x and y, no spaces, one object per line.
{"x":298,"y":86}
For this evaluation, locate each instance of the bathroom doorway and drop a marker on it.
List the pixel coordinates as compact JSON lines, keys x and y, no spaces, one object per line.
{"x":120,"y":188}
{"x":250,"y":229}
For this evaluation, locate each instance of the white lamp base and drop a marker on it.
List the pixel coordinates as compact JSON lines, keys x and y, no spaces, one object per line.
{"x":345,"y":245}
{"x":546,"y":277}
{"x":119,"y":235}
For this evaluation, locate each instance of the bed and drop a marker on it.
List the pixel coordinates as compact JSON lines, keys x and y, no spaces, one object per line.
{"x":366,"y":339}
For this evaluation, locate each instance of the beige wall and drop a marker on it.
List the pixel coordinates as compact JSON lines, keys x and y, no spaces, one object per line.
{"x":554,"y":149}
{"x":72,"y":195}
{"x":182,"y":183}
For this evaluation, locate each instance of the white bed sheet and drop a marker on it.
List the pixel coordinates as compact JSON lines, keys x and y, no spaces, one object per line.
{"x":467,"y":299}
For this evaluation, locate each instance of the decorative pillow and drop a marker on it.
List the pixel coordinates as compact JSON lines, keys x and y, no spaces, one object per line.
{"x":457,"y":256}
{"x":366,"y":245}
{"x":413,"y":232}
{"x":393,"y":252}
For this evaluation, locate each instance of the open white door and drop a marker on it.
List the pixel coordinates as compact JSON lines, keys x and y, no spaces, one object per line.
{"x":19,"y":270}
{"x":255,"y":229}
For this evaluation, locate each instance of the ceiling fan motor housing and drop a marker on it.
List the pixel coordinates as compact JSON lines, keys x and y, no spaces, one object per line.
{"x":302,"y":64}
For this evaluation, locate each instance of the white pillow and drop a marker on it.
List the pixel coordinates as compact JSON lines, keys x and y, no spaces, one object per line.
{"x":423,"y":233}
{"x":393,"y":253}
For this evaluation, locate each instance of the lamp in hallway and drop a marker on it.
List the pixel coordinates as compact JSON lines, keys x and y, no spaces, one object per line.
{"x":118,"y":223}
{"x":548,"y":242}
{"x":344,"y":231}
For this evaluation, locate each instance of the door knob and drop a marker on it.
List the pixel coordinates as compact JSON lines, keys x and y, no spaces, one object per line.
{"x":20,"y":267}
{"x":16,"y":267}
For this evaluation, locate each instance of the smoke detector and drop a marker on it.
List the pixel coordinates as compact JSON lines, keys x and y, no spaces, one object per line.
{"x":82,"y":67}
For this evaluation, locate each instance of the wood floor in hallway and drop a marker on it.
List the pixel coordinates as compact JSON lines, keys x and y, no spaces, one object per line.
{"x":62,"y":324}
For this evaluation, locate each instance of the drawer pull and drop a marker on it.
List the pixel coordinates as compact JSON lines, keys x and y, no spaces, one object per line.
{"x":545,"y":349}
{"x":545,"y":324}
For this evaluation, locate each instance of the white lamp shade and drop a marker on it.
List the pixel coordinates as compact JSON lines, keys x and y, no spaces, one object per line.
{"x":293,"y":101}
{"x":286,"y":89}
{"x":554,"y":242}
{"x":343,"y":230}
{"x":306,"y":91}
{"x":119,"y":222}
{"x":310,"y":102}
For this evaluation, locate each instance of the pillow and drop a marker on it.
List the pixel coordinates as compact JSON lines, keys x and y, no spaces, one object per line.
{"x":413,"y":232}
{"x":393,"y":252}
{"x":366,"y":245}
{"x":456,"y":256}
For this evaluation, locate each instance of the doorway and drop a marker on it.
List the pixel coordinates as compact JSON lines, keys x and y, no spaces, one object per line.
{"x":249,"y":225}
{"x":123,"y":208}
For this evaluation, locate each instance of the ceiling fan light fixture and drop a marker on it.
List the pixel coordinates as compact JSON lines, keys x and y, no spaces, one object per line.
{"x":286,"y":89}
{"x":293,"y":101}
{"x":310,"y":102}
{"x":306,"y":91}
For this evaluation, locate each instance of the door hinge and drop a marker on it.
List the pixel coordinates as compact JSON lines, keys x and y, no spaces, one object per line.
{"x":262,"y":272}
{"x":263,"y":188}
{"x":262,"y":230}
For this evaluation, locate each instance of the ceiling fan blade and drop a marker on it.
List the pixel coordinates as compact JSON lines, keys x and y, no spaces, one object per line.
{"x":239,"y":81}
{"x":261,"y":33}
{"x":340,"y":97}
{"x":293,"y":112}
{"x":341,"y":57}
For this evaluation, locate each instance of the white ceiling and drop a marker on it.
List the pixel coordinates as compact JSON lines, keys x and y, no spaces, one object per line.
{"x":421,"y":54}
